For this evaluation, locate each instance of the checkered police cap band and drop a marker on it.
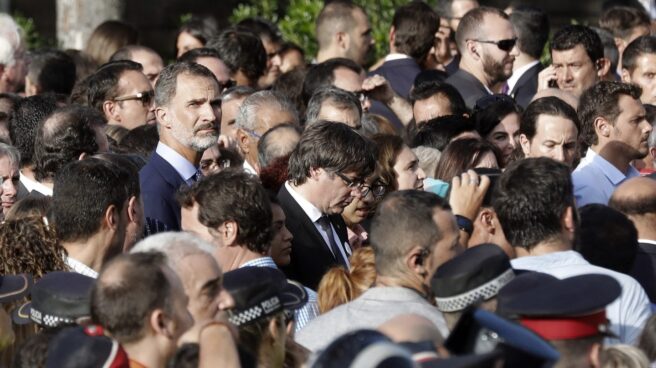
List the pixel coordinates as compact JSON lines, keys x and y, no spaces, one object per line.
{"x":48,"y":320}
{"x":486,"y":291}
{"x":262,"y":309}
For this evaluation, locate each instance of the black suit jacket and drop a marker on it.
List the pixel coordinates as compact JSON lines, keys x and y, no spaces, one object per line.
{"x":401,"y":75}
{"x":527,"y":86}
{"x":644,"y":269}
{"x":159,"y":183}
{"x":311,"y":256}
{"x":470,"y":88}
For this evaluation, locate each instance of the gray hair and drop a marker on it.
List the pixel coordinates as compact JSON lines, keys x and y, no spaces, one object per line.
{"x":168,"y":79}
{"x":11,"y":152}
{"x":652,"y":138}
{"x":236,"y":92}
{"x":428,"y":158}
{"x":270,"y":146}
{"x":249,"y":109}
{"x":175,"y":245}
{"x":338,"y":97}
{"x":11,"y":40}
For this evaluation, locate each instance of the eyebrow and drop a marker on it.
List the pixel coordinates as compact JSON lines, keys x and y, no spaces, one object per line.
{"x":212,"y":283}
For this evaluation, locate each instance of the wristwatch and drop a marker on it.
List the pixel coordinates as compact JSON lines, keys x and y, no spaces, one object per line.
{"x":465,"y":224}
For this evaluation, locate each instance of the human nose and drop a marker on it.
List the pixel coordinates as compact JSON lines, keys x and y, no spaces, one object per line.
{"x":225,"y":300}
{"x":559,"y":154}
{"x":8,"y":188}
{"x":421,"y":175}
{"x":366,"y":104}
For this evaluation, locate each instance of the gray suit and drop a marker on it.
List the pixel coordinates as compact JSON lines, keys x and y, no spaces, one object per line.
{"x":373,"y":308}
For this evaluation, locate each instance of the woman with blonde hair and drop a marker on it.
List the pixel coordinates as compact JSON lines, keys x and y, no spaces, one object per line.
{"x":107,"y":38}
{"x":339,"y":286}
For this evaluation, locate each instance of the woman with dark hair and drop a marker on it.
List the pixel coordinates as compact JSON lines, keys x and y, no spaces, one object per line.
{"x":399,"y":166}
{"x":194,"y":34}
{"x":465,"y":154}
{"x":496,"y":118}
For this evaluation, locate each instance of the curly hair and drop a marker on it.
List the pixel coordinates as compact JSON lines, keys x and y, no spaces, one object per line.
{"x":339,"y":286}
{"x":28,"y":245}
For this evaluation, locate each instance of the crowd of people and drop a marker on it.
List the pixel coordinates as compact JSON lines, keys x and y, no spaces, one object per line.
{"x":457,"y":203}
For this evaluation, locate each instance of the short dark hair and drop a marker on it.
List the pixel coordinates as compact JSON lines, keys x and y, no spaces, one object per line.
{"x":269,"y":149}
{"x":194,"y":54}
{"x":201,"y":28}
{"x":141,"y":140}
{"x":530,"y":199}
{"x":490,"y":114}
{"x":128,"y":164}
{"x":167,"y":83}
{"x":404,"y":220}
{"x":470,"y":24}
{"x":570,"y":36}
{"x":415,"y":25}
{"x":26,"y":116}
{"x":62,"y":137}
{"x":438,"y":132}
{"x":610,"y":48}
{"x":602,"y":99}
{"x":607,"y":238}
{"x":52,"y":71}
{"x":334,"y":147}
{"x":241,"y":50}
{"x":638,"y":47}
{"x":323,"y":75}
{"x":123,"y":302}
{"x":103,"y":84}
{"x":262,"y":28}
{"x":335,"y":16}
{"x":427,"y":89}
{"x":621,"y":20}
{"x":462,"y":155}
{"x":532,"y":28}
{"x":551,"y":106}
{"x":233,"y":195}
{"x":83,"y":191}
{"x":340,"y":98}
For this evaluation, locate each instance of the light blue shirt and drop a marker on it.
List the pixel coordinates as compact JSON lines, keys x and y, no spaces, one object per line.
{"x":185,"y":168}
{"x":595,"y":179}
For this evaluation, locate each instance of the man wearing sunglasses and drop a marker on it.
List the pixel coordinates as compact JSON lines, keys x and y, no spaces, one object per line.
{"x":121,"y":91}
{"x":487,"y":44}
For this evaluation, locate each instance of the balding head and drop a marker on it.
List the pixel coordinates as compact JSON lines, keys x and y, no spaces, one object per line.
{"x":411,"y":328}
{"x":566,"y":96}
{"x":636,"y":198}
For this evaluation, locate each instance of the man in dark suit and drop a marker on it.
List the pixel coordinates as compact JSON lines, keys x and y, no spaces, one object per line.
{"x":488,"y":49}
{"x":532,"y":27}
{"x":636,"y":198}
{"x":326,"y":171}
{"x":410,"y":39}
{"x":188,"y":111}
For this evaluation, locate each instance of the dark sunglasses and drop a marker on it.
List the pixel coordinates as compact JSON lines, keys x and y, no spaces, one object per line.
{"x":505,"y":45}
{"x":146,"y":97}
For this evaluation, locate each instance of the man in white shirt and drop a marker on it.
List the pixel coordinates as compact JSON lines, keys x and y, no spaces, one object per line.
{"x":535,"y":205}
{"x":614,"y":127}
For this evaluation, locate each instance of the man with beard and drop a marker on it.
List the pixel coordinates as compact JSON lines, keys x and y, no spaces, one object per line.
{"x":188,"y":111}
{"x":487,"y":45}
{"x":614,"y":126}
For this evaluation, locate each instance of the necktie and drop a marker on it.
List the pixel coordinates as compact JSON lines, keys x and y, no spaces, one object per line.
{"x":324,"y":223}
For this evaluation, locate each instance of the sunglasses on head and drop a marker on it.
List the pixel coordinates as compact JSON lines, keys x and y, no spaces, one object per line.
{"x":505,"y":45}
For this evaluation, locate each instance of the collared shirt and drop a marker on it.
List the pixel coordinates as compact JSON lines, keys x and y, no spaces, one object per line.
{"x":595,"y":179}
{"x":371,"y":309}
{"x":396,"y":56}
{"x":81,"y":268}
{"x":302,"y":315}
{"x":31,"y":185}
{"x":314,"y":214}
{"x":627,"y":314}
{"x":186,"y":169}
{"x":518,"y":74}
{"x":249,"y":168}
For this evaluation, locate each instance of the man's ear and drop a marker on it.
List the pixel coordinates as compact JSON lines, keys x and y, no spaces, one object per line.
{"x":593,"y":355}
{"x":485,"y":218}
{"x":159,"y":323}
{"x":568,"y":220}
{"x":229,"y":231}
{"x":416,"y":261}
{"x":161,"y":113}
{"x":603,"y":67}
{"x":110,"y":109}
{"x":315,"y":173}
{"x":111,"y":217}
{"x":525,"y":143}
{"x":133,"y":214}
{"x":343,"y":40}
{"x":652,"y":152}
{"x":602,"y":127}
{"x":243,"y":141}
{"x":31,"y":89}
{"x":472,"y":48}
{"x":626,"y":76}
{"x":392,"y":35}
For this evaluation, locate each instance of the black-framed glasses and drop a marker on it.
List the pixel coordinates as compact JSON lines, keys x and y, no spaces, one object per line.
{"x":504,"y":45}
{"x":378,"y":190}
{"x":220,"y":163}
{"x":351,"y":183}
{"x":146,"y":97}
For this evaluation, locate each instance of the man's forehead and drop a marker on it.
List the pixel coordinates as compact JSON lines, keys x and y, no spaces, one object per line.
{"x":576,"y":53}
{"x":197,"y":84}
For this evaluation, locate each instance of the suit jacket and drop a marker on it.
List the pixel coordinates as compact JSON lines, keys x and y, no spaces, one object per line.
{"x":311,"y":256}
{"x":644,"y":269}
{"x":470,"y":88}
{"x":401,"y":75}
{"x":159,"y":183}
{"x":527,"y":85}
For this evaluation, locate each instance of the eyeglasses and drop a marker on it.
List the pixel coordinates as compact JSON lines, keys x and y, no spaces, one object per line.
{"x":351,"y":183}
{"x":221,"y":163}
{"x":505,"y":45}
{"x":378,"y":190}
{"x":146,"y":97}
{"x":252,"y":133}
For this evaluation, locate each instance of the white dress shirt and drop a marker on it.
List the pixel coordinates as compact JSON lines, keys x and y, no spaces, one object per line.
{"x":595,"y":179}
{"x":81,"y":268}
{"x":627,"y":314}
{"x":314,"y":214}
{"x":518,"y":74}
{"x":31,"y":185}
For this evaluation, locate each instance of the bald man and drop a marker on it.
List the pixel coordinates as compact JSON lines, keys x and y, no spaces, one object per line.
{"x":636,"y":198}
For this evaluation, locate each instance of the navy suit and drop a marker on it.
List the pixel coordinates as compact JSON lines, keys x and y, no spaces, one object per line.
{"x":526,"y":86}
{"x":311,"y":256}
{"x":159,"y":183}
{"x":400,"y":74}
